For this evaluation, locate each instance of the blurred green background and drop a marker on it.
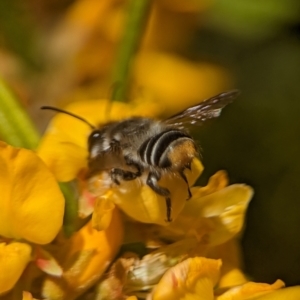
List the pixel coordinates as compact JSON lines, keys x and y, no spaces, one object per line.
{"x":257,"y":139}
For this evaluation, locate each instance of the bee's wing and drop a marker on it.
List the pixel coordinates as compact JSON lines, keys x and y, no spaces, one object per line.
{"x":207,"y":109}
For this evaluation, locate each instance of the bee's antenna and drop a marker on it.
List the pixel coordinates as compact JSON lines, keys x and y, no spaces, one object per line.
{"x":70,"y":114}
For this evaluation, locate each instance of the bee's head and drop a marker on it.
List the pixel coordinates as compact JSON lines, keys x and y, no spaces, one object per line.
{"x":97,"y":142}
{"x":103,"y":152}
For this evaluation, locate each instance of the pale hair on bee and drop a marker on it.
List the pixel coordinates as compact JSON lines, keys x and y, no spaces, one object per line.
{"x":139,"y":146}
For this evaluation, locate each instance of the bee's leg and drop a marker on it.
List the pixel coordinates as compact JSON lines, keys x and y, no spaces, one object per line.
{"x":139,"y":168}
{"x":152,"y":181}
{"x":117,"y":174}
{"x":185,"y":179}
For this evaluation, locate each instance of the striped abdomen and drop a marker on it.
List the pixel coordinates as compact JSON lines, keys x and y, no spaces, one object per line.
{"x":169,"y":149}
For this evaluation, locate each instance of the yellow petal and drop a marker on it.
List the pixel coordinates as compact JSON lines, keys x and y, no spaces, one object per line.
{"x":290,"y":293}
{"x":27,"y":296}
{"x":178,"y":83}
{"x":14,"y":258}
{"x":216,"y":183}
{"x":32,"y":204}
{"x":230,"y":254}
{"x":195,"y":277}
{"x":64,"y":159}
{"x":146,"y":272}
{"x":226,"y":208}
{"x":64,"y":145}
{"x":103,"y":212}
{"x":141,"y":203}
{"x":231,"y":275}
{"x":252,"y":290}
{"x":217,"y":216}
{"x":84,"y":258}
{"x":196,"y":170}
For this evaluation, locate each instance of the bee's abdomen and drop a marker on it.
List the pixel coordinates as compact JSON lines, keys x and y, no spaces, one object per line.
{"x":166,"y":148}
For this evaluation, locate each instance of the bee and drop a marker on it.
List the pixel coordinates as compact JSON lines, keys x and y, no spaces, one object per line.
{"x":136,"y":146}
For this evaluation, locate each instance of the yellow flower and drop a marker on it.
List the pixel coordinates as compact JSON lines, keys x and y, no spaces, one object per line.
{"x":196,"y":279}
{"x":141,"y":203}
{"x":215,"y":213}
{"x":14,"y":258}
{"x":32,"y":204}
{"x":231,"y":272}
{"x":136,"y":199}
{"x":206,"y":227}
{"x":176,"y":83}
{"x":32,"y":208}
{"x":84,"y":258}
{"x":193,"y":278}
{"x":253,"y":290}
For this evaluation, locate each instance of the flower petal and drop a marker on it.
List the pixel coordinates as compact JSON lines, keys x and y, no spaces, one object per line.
{"x":14,"y":258}
{"x":142,"y":274}
{"x":216,"y":182}
{"x":226,"y":209}
{"x":103,"y":212}
{"x":290,"y":293}
{"x":251,"y":290}
{"x":217,"y":216}
{"x":32,"y":204}
{"x":141,"y":203}
{"x":230,"y":254}
{"x":27,"y":296}
{"x":194,"y":276}
{"x":84,"y":258}
{"x":64,"y":159}
{"x":47,"y":263}
{"x":187,"y":80}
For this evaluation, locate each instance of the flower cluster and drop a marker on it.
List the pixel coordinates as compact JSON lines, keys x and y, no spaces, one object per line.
{"x":32,"y":208}
{"x":121,"y":246}
{"x":196,"y":256}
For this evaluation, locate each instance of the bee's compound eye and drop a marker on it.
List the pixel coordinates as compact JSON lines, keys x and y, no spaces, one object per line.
{"x":94,"y":137}
{"x":95,"y":134}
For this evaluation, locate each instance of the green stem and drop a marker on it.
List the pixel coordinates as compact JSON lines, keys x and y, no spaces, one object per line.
{"x":71,"y":208}
{"x":16,"y":128}
{"x":136,"y":17}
